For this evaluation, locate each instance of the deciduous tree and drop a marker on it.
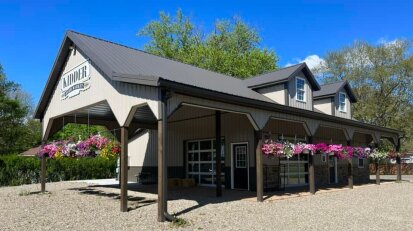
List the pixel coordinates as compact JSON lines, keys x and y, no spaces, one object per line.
{"x":233,"y":48}
{"x":382,"y":78}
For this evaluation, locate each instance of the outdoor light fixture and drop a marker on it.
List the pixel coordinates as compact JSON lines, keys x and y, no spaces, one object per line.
{"x":72,"y":47}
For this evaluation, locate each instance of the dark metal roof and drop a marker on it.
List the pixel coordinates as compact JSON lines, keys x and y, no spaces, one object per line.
{"x":127,"y":64}
{"x":282,"y":75}
{"x":329,"y":90}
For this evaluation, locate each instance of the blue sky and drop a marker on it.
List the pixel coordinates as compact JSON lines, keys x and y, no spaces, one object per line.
{"x":31,"y":31}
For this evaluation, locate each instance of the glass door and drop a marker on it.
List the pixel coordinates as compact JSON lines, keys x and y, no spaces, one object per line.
{"x":201,"y":156}
{"x":295,"y":172}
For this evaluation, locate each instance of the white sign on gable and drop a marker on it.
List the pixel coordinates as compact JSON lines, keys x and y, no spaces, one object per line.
{"x":76,"y":80}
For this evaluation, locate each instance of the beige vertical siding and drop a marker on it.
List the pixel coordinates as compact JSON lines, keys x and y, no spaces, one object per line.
{"x":276,"y":93}
{"x":308,"y":105}
{"x":323,"y":105}
{"x":120,"y":96}
{"x":338,"y":113}
{"x":235,"y":128}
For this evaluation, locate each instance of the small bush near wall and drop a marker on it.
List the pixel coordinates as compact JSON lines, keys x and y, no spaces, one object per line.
{"x":18,"y":170}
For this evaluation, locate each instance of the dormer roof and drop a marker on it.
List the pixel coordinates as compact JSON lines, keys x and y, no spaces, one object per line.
{"x":330,"y":89}
{"x":281,"y":76}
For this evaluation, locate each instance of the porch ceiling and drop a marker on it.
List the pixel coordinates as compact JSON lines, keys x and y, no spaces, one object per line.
{"x":330,"y":135}
{"x":98,"y":111}
{"x":144,"y":115}
{"x":286,"y":128}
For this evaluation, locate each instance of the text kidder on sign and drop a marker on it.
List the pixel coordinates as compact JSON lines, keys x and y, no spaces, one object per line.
{"x":76,"y":80}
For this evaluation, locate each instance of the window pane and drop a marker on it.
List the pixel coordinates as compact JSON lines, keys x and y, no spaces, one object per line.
{"x":206,"y":145}
{"x":304,"y":179}
{"x":361,"y":163}
{"x":292,"y":168}
{"x":206,"y":156}
{"x":193,"y":167}
{"x":193,"y":156}
{"x":206,"y":167}
{"x":192,"y":146}
{"x":300,"y":84}
{"x":293,"y":179}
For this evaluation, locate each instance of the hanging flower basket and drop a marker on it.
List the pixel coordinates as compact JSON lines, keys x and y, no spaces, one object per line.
{"x":92,"y":147}
{"x":273,"y":149}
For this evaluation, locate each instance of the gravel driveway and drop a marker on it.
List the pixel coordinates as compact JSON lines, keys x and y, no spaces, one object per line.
{"x":77,"y":206}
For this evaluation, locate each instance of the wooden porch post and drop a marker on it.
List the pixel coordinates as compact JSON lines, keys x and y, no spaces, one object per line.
{"x":398,"y":162}
{"x":124,"y":170}
{"x":311,"y":173}
{"x":43,"y":171}
{"x":377,"y":168}
{"x":350,"y":169}
{"x":162,"y":165}
{"x":43,"y":174}
{"x":259,"y":167}
{"x":218,"y":152}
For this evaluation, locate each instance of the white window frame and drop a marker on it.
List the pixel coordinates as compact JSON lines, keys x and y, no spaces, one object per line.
{"x":324,"y":158}
{"x":345,"y":102}
{"x":304,"y":100}
{"x":358,"y":163}
{"x":243,"y":161}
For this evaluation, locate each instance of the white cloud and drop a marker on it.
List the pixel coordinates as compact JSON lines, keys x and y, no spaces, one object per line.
{"x":390,"y":43}
{"x":311,"y":60}
{"x":385,"y":41}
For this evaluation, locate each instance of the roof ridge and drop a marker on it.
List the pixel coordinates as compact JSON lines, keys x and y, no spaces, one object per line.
{"x":145,"y":52}
{"x":341,"y":81}
{"x":268,"y":72}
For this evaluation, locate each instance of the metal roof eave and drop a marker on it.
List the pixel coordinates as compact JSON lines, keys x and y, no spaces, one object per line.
{"x":241,"y":101}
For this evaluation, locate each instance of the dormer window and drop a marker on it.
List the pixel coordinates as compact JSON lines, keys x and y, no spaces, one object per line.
{"x":342,"y":102}
{"x":300,"y":86}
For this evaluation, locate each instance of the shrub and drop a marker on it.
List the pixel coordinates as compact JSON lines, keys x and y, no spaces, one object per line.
{"x":18,"y":170}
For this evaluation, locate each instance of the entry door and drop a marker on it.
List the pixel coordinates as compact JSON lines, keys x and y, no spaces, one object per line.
{"x":240,"y":163}
{"x":332,"y":165}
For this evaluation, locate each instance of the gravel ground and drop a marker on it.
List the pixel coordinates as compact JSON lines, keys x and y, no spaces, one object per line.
{"x":77,"y":206}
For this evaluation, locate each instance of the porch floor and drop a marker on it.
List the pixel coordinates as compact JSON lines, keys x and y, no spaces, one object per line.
{"x":204,"y":194}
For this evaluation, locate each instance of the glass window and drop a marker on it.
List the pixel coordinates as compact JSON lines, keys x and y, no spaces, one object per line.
{"x":192,"y":146}
{"x":361,"y":163}
{"x":201,"y":161}
{"x":193,"y":156}
{"x":206,"y":156}
{"x":206,"y":145}
{"x":294,"y":171}
{"x":300,"y":86}
{"x":342,"y":102}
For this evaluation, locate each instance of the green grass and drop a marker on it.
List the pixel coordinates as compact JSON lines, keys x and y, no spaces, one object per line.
{"x":180,"y":223}
{"x":24,"y":192}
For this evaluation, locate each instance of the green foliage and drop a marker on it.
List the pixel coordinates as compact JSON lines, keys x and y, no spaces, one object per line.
{"x":382,"y":78}
{"x":18,"y":131}
{"x":180,"y":223}
{"x":232,"y":49}
{"x":81,"y":131}
{"x":18,"y":170}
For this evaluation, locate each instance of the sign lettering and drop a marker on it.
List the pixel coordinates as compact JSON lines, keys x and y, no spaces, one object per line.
{"x":76,"y":80}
